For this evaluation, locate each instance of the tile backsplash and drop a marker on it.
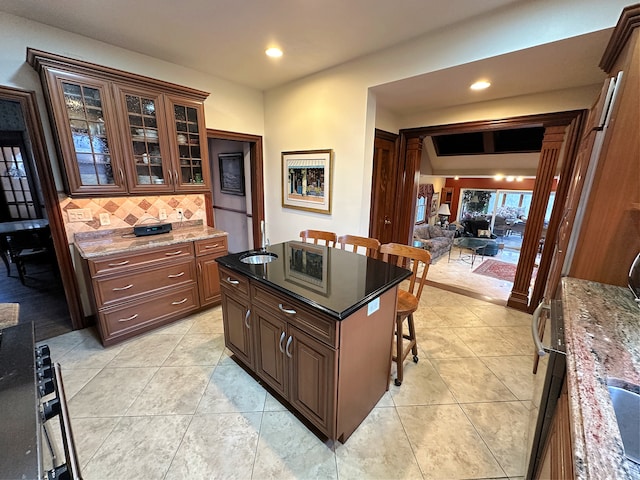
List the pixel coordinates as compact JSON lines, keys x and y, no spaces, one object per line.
{"x":128,"y":211}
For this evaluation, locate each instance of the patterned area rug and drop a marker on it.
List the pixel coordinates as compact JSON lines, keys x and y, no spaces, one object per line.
{"x":497,"y":269}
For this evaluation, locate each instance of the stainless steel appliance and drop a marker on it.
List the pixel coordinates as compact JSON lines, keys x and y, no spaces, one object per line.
{"x":548,"y":380}
{"x":32,"y":407}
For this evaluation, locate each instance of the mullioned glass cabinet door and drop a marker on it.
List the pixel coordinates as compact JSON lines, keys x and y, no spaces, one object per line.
{"x":189,"y":137}
{"x":88,"y":142}
{"x":148,"y":162}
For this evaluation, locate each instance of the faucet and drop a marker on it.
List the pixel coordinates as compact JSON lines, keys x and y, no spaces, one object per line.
{"x":264,"y":240}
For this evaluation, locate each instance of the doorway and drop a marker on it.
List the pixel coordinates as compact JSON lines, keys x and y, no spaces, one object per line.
{"x":560,"y":129}
{"x":236,"y":208}
{"x":28,"y":192}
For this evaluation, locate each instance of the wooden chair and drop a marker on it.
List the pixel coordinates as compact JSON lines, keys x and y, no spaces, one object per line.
{"x":371,"y":245}
{"x":408,"y":300}
{"x":329,"y":238}
{"x":28,"y":246}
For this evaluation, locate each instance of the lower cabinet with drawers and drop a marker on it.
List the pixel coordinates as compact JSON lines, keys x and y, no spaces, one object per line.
{"x":137,"y":291}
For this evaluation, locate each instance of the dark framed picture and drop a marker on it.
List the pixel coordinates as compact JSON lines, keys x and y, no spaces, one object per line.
{"x":231,"y":173}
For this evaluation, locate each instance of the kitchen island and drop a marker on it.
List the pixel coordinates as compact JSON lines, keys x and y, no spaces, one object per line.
{"x":316,"y":324}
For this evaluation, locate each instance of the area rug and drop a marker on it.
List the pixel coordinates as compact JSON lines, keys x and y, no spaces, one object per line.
{"x":500,"y":270}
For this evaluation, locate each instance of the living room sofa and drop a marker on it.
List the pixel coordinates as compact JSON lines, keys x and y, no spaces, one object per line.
{"x":434,"y":239}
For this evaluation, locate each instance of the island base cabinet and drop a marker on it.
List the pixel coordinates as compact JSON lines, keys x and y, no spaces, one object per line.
{"x":333,"y":372}
{"x":298,"y":367}
{"x":312,"y":379}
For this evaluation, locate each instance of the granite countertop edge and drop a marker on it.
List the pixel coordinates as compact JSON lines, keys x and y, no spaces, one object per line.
{"x":602,"y":336}
{"x":102,"y":243}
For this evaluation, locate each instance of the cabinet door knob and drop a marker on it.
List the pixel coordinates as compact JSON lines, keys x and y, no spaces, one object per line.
{"x":281,"y":342}
{"x":246,"y":319}
{"x":289,"y":340}
{"x":286,"y":310}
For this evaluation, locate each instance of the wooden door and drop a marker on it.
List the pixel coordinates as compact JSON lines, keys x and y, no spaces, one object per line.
{"x":271,"y":337}
{"x":237,"y":326}
{"x":312,"y":373}
{"x":383,"y":187}
{"x":209,"y":278}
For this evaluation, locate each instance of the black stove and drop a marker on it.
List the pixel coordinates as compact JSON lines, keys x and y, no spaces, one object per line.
{"x":32,"y":402}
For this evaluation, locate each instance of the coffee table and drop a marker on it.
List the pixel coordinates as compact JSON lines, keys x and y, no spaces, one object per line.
{"x":473,"y":245}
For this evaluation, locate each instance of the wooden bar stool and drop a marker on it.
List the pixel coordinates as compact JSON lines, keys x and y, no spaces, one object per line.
{"x":329,"y":238}
{"x":408,"y":300}
{"x":371,"y":245}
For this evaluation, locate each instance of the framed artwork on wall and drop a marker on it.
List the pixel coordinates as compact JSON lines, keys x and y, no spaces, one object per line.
{"x":306,"y":180}
{"x":434,"y":205}
{"x":231,"y":173}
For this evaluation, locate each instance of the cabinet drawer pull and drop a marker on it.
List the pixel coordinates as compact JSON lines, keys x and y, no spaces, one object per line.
{"x":119,"y":264}
{"x":132,"y":317}
{"x":180,"y":302}
{"x":232,"y":282}
{"x":171,"y":254}
{"x":282,"y":340}
{"x":246,"y":319}
{"x":119,"y":289}
{"x":215,"y":245}
{"x":176,"y":275}
{"x":288,"y":345}
{"x":286,"y":310}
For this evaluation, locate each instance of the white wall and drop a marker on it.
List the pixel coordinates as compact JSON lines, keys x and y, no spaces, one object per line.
{"x":229,"y":106}
{"x":333,"y":109}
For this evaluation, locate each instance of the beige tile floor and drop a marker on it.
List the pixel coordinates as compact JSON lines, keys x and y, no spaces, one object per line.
{"x":172,"y":404}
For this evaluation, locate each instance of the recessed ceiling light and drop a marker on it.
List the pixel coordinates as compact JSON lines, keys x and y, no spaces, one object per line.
{"x":273,"y":52}
{"x":480,"y":85}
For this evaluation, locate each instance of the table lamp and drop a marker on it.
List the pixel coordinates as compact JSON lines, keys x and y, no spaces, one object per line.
{"x":444,"y":214}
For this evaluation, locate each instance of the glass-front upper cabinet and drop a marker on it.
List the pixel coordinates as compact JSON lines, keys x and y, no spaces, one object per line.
{"x":147,"y":150}
{"x":189,"y":137}
{"x":89,"y":143}
{"x":118,"y":132}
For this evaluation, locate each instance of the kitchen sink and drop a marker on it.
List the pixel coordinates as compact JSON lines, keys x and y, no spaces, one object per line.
{"x":258,"y":258}
{"x":626,"y":404}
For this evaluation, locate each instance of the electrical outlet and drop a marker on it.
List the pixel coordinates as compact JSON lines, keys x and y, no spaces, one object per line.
{"x":80,"y":215}
{"x":162,"y":214}
{"x":105,"y":219}
{"x":180,"y":213}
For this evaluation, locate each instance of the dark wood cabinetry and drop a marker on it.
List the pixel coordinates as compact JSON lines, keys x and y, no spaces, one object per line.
{"x":208,"y":277}
{"x":331,"y":372}
{"x":557,"y":457}
{"x":236,"y":311}
{"x":138,"y":291}
{"x":292,"y":358}
{"x":123,"y":133}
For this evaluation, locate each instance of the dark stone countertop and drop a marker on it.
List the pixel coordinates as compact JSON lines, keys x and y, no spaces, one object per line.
{"x":334,"y":281}
{"x":602,"y":334}
{"x":107,"y":242}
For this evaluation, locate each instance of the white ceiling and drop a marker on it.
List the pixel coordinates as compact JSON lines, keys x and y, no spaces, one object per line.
{"x":227,"y":38}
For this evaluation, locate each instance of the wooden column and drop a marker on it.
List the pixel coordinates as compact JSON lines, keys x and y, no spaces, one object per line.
{"x":408,"y":181}
{"x":551,"y":146}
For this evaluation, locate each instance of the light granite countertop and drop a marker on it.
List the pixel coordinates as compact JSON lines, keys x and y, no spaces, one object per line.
{"x":107,"y":242}
{"x":602,"y":335}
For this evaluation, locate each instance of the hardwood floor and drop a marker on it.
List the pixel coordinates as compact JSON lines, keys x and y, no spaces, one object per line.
{"x":41,"y":300}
